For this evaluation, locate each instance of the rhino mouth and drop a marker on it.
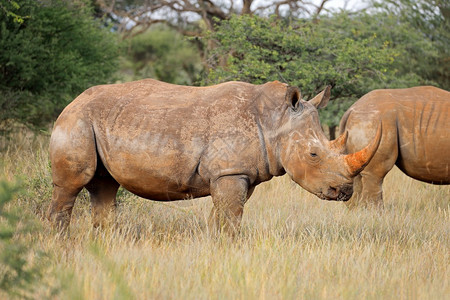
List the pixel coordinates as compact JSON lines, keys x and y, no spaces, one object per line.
{"x":342,"y":193}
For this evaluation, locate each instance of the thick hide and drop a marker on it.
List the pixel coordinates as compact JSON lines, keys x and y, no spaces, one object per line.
{"x":415,"y":137}
{"x":167,"y":142}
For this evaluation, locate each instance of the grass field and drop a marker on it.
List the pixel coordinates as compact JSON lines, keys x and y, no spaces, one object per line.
{"x":292,"y":245}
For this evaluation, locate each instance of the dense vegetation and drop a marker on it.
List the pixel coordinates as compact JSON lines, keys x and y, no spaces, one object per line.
{"x":48,"y":57}
{"x":161,"y":53}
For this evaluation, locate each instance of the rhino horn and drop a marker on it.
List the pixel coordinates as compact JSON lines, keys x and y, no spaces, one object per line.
{"x":358,"y":160}
{"x":339,"y":143}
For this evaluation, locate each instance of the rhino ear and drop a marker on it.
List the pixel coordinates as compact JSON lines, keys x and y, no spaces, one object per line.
{"x":293,"y":98}
{"x":321,"y":100}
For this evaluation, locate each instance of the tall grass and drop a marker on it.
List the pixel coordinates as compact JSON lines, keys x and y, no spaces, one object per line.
{"x":292,"y":245}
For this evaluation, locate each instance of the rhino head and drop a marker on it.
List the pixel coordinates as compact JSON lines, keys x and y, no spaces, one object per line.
{"x":318,"y":165}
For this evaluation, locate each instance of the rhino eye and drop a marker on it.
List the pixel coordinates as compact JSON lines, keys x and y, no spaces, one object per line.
{"x":313,"y":154}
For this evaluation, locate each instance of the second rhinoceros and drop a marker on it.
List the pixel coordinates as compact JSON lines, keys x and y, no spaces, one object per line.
{"x":415,"y":137}
{"x":167,"y":142}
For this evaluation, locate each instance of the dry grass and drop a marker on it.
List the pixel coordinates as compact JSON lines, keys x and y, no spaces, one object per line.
{"x":292,"y":245}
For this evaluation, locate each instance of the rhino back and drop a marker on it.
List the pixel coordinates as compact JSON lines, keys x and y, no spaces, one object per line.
{"x":424,"y":134}
{"x":166,"y":142}
{"x":416,"y":121}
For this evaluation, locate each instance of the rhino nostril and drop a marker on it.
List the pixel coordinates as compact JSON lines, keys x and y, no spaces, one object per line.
{"x":339,"y":193}
{"x":333,"y":191}
{"x":347,"y":189}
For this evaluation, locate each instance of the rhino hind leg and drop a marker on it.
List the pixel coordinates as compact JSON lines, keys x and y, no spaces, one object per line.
{"x":60,"y":210}
{"x":73,"y":158}
{"x":229,"y":194}
{"x":102,"y":190}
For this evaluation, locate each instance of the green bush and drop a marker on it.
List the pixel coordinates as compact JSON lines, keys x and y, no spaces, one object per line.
{"x":163,"y":54}
{"x":18,"y":274}
{"x":56,"y":52}
{"x":301,"y":53}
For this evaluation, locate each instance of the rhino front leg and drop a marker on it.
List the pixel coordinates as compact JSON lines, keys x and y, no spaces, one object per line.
{"x":229,"y":194}
{"x":367,"y":191}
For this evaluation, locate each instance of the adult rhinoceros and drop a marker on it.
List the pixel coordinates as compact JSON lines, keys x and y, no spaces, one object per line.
{"x":167,"y":142}
{"x":416,"y":137}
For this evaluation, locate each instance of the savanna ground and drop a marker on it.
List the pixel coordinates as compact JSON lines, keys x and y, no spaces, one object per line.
{"x":292,"y":245}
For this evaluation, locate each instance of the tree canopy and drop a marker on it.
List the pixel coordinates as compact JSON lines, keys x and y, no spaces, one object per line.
{"x":161,"y":53}
{"x":136,"y":16}
{"x":340,"y":50}
{"x":427,"y":25}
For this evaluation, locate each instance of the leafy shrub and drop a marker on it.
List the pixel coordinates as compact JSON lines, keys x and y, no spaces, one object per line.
{"x":17,"y":273}
{"x":163,"y":54}
{"x":55,"y":52}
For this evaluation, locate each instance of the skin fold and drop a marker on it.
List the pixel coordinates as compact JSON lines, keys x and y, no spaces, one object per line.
{"x":167,"y":142}
{"x":415,"y":137}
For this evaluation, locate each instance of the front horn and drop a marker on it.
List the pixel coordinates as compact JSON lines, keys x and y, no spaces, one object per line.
{"x":358,"y":160}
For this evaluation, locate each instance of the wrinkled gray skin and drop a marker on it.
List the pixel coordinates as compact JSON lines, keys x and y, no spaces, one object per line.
{"x":416,"y":137}
{"x":167,"y":142}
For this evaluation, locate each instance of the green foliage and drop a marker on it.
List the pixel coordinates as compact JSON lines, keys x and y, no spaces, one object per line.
{"x":354,"y":53}
{"x":9,"y":7}
{"x":384,"y":31}
{"x":302,"y":53}
{"x":398,"y":69}
{"x":163,"y":54}
{"x":49,"y":58}
{"x":17,"y":272}
{"x":426,"y":36}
